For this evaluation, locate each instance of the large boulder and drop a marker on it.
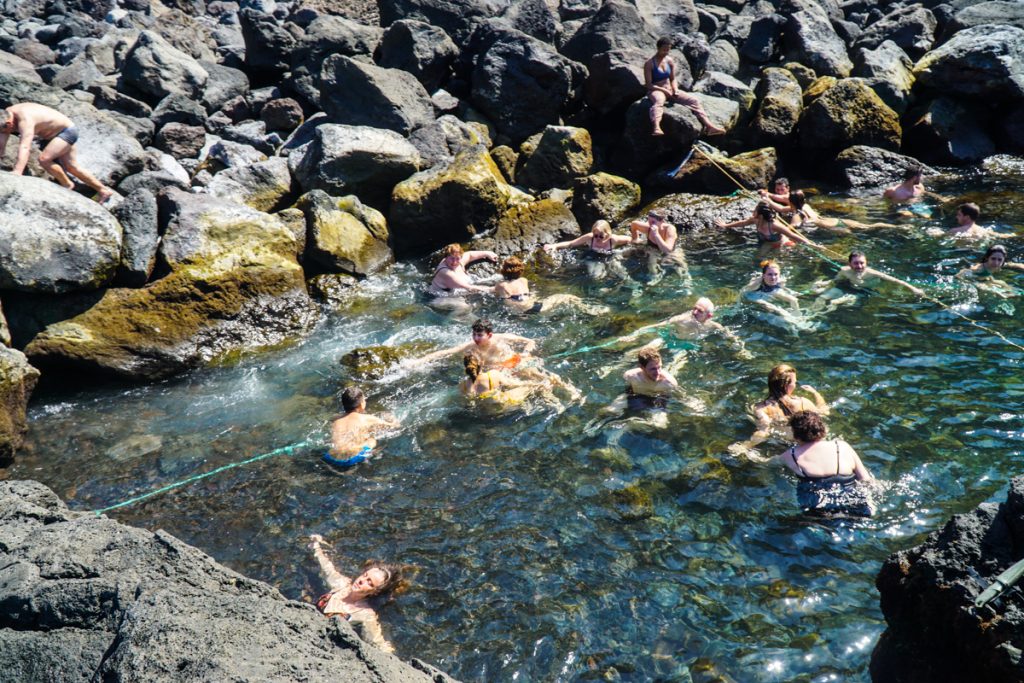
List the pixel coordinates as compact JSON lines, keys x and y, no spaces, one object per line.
{"x":780,"y":103}
{"x":982,"y":61}
{"x":991,"y":12}
{"x":423,"y":50}
{"x":935,"y":633}
{"x":615,"y":79}
{"x":563,"y":154}
{"x":764,"y":40}
{"x":448,"y":203}
{"x":603,"y":196}
{"x":458,"y":18}
{"x":695,"y":212}
{"x":888,"y":70}
{"x":157,"y":69}
{"x":811,"y":40}
{"x":754,"y":169}
{"x":263,"y":186}
{"x":343,"y":235}
{"x":355,"y":160}
{"x":17,"y":380}
{"x":19,"y":68}
{"x":53,"y":240}
{"x":521,"y":83}
{"x":105,"y":148}
{"x":440,"y":141}
{"x":356,"y":93}
{"x":524,"y":226}
{"x":862,"y":168}
{"x":617,"y":25}
{"x":268,"y":44}
{"x":111,"y":602}
{"x":949,"y":131}
{"x":912,"y":28}
{"x":233,"y":284}
{"x":847,"y":114}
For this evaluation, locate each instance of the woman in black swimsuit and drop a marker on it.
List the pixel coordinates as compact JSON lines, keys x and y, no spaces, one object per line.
{"x":829,"y":472}
{"x":771,"y":232}
{"x":515,"y":292}
{"x":769,"y":287}
{"x":600,"y":244}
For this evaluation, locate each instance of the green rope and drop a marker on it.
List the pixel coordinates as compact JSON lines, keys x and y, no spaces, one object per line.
{"x":584,"y":349}
{"x":284,"y":449}
{"x":818,"y":253}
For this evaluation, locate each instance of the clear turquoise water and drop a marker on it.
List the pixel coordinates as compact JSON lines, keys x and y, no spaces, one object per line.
{"x":528,"y":571}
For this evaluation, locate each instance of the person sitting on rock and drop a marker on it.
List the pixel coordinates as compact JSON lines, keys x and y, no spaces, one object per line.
{"x":662,"y":238}
{"x":600,"y":246}
{"x":57,"y":136}
{"x":660,"y":81}
{"x":351,"y":600}
{"x":353,"y":436}
{"x":515,"y":292}
{"x":451,"y":280}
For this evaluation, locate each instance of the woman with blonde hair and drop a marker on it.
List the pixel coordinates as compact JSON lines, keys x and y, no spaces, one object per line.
{"x":600,"y":246}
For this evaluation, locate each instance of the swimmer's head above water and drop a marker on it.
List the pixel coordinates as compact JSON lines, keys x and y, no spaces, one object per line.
{"x":781,"y":381}
{"x":771,"y":274}
{"x":994,"y":258}
{"x":764,"y":212}
{"x":781,"y":185}
{"x":512,"y":268}
{"x":807,"y":426}
{"x":472,"y":363}
{"x":858,"y":261}
{"x":601,"y":229}
{"x":650,"y":362}
{"x":353,"y":400}
{"x":914,"y":173}
{"x":703,"y":309}
{"x":482,"y":331}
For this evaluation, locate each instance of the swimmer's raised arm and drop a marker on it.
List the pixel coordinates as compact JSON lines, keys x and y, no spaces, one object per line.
{"x":753,"y":285}
{"x":735,"y":224}
{"x":665,"y":244}
{"x":335,"y":579}
{"x":464,"y":281}
{"x":473,"y":256}
{"x":438,"y":355}
{"x":819,"y":400}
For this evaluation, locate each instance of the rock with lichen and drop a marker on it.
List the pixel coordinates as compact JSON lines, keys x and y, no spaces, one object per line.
{"x":17,"y":380}
{"x":344,"y":234}
{"x":603,"y":196}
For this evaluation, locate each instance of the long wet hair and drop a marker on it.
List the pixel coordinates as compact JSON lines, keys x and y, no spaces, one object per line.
{"x":764,"y":211}
{"x":395,"y":582}
{"x":778,"y":380}
{"x":472,"y":364}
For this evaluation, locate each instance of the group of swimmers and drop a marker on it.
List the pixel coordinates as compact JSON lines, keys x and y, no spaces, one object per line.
{"x":501,"y":368}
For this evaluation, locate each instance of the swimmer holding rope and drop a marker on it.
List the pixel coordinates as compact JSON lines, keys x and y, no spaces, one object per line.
{"x":693,"y":324}
{"x":354,"y":435}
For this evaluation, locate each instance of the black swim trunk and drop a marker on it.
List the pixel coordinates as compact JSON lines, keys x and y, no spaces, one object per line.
{"x":68,"y":135}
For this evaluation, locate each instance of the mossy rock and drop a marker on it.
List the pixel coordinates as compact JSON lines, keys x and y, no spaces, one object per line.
{"x":373,"y":361}
{"x":847,"y":114}
{"x":331,"y":288}
{"x":611,"y":456}
{"x":524,"y":226}
{"x":505,"y":158}
{"x":562,"y":154}
{"x":633,"y":503}
{"x":603,"y":196}
{"x":343,"y":234}
{"x":752,"y":169}
{"x":17,"y":380}
{"x":818,"y":87}
{"x":693,"y":212}
{"x":448,"y":203}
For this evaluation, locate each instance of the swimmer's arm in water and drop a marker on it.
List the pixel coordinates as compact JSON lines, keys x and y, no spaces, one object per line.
{"x":969,"y":273}
{"x":789,"y":298}
{"x":369,"y":625}
{"x":1014,"y":266}
{"x":437,"y":355}
{"x":653,"y":326}
{"x":383,"y":422}
{"x":735,"y":224}
{"x":792,"y":234}
{"x":582,"y":240}
{"x":753,"y":285}
{"x":620,"y":240}
{"x":733,"y":338}
{"x":819,"y":400}
{"x":761,"y":432}
{"x":895,"y":280}
{"x":529,"y":345}
{"x":335,"y":579}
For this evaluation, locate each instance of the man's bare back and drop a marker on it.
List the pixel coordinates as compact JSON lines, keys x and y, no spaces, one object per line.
{"x":352,"y":432}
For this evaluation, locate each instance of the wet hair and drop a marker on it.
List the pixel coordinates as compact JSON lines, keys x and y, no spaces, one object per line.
{"x":797,"y":199}
{"x":395,"y":581}
{"x":472,"y":364}
{"x":970,"y":209}
{"x":778,"y":381}
{"x":807,"y":426}
{"x":512,"y":268}
{"x":657,"y":214}
{"x":855,"y":254}
{"x":646,"y":355}
{"x":763,"y":210}
{"x":768,"y":263}
{"x":351,"y":399}
{"x":483,"y":325}
{"x":5,"y":116}
{"x":706,"y":304}
{"x":602,"y":228}
{"x":663,"y":41}
{"x":781,"y":179}
{"x":992,"y":250}
{"x":452,"y":250}
{"x":912,"y":172}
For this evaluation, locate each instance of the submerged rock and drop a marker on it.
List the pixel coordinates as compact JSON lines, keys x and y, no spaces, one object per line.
{"x":107,"y":601}
{"x":17,"y":380}
{"x":373,"y":361}
{"x":927,"y":593}
{"x":633,"y":503}
{"x":234,"y":284}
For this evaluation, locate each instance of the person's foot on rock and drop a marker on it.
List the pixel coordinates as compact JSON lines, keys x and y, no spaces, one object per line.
{"x":657,"y":131}
{"x":714,"y":130}
{"x":104,"y":195}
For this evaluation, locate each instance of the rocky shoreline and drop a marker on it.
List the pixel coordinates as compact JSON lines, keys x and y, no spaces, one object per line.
{"x":85,"y":598}
{"x":935,"y":633}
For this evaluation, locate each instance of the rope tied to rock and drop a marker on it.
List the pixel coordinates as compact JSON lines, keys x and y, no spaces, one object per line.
{"x":284,"y":450}
{"x":818,"y":249}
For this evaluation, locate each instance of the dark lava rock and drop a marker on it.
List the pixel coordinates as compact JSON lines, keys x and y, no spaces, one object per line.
{"x":949,"y":131}
{"x":423,"y":50}
{"x":356,"y":93}
{"x":180,"y":140}
{"x":869,"y":168}
{"x":17,"y":380}
{"x":87,"y":598}
{"x":912,"y":28}
{"x":927,"y":593}
{"x":137,"y":214}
